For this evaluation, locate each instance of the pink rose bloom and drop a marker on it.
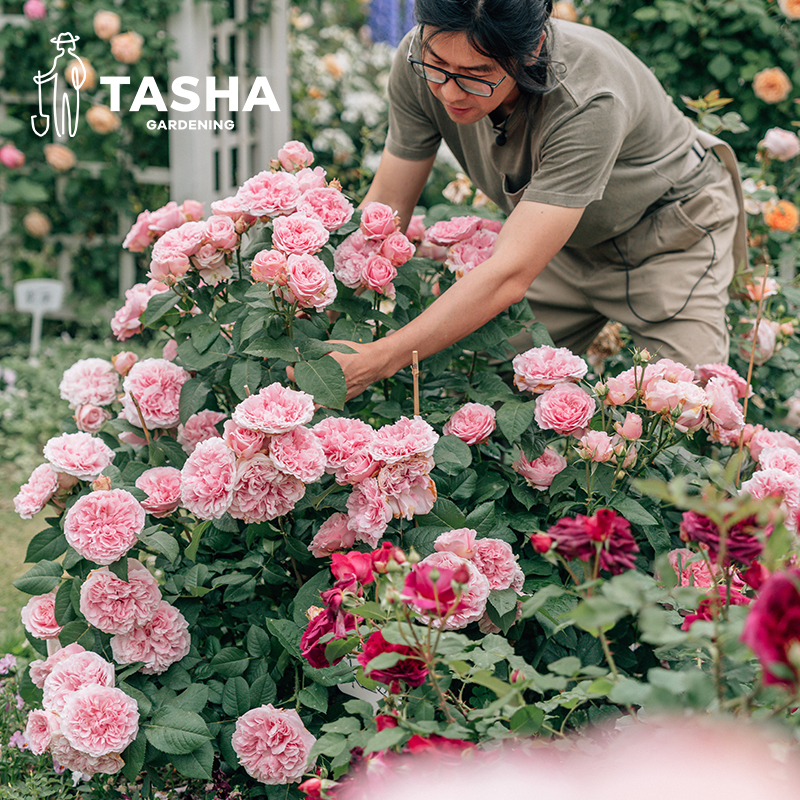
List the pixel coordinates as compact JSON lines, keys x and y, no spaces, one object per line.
{"x":166,"y":218}
{"x":403,"y":439}
{"x":192,"y":210}
{"x":221,"y":233}
{"x":631,"y":429}
{"x":356,"y":468}
{"x":474,"y":597}
{"x":262,"y":492}
{"x":310,"y":281}
{"x":231,"y":207}
{"x":759,"y":288}
{"x":273,"y":745}
{"x":40,"y":729}
{"x":350,"y":259}
{"x":139,"y":237}
{"x":540,"y":472}
{"x":168,"y":266}
{"x":68,"y":757}
{"x":294,"y":156}
{"x":90,"y":418}
{"x":91,"y":380}
{"x":664,"y":397}
{"x":269,"y":266}
{"x":275,"y":409}
{"x":308,"y":179}
{"x":198,"y":428}
{"x":333,"y":535}
{"x":722,"y":408}
{"x":186,"y":239}
{"x":207,"y":479}
{"x":103,"y":526}
{"x":242,"y":441}
{"x":739,"y":385}
{"x":115,"y":606}
{"x":159,"y":643}
{"x":39,"y":670}
{"x":212,"y":265}
{"x":464,"y":256}
{"x":11,"y":157}
{"x":765,"y":341}
{"x":124,"y":361}
{"x":764,"y":438}
{"x":596,"y":446}
{"x":78,"y":454}
{"x":170,"y":350}
{"x":298,"y":453}
{"x":565,"y":409}
{"x":397,"y":248}
{"x":460,"y":541}
{"x":34,"y":9}
{"x":540,"y":368}
{"x":298,"y":235}
{"x":162,"y":485}
{"x":34,"y":495}
{"x":407,"y":486}
{"x":341,"y":438}
{"x":495,"y":559}
{"x":378,"y":221}
{"x":378,"y":275}
{"x":780,"y":144}
{"x":624,"y":387}
{"x":126,"y":322}
{"x":328,"y":205}
{"x":695,"y":573}
{"x":39,"y":616}
{"x":416,"y":228}
{"x":368,"y":512}
{"x":472,"y":423}
{"x":156,"y":384}
{"x":269,"y":194}
{"x":98,"y":720}
{"x":775,"y":483}
{"x":449,"y":231}
{"x":780,"y":458}
{"x":666,"y":370}
{"x":73,"y":673}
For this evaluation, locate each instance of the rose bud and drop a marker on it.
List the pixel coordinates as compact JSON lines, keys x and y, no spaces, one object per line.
{"x":541,"y":542}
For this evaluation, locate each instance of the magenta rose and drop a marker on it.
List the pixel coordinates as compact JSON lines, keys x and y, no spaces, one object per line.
{"x":34,"y":495}
{"x":272,"y":744}
{"x":565,"y":409}
{"x":540,"y":472}
{"x":162,"y":485}
{"x":156,"y":384}
{"x":39,"y":616}
{"x":411,"y":671}
{"x":472,"y":423}
{"x":378,"y":221}
{"x":90,"y":381}
{"x":328,"y":205}
{"x":207,"y":479}
{"x":98,"y":720}
{"x":78,"y":454}
{"x":275,"y":409}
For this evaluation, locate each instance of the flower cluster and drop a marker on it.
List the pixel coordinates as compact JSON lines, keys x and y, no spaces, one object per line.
{"x":461,"y":242}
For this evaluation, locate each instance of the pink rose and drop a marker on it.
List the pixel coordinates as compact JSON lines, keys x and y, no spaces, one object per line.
{"x":333,"y":535}
{"x":103,"y":526}
{"x":368,"y":512}
{"x":127,"y":47}
{"x":73,"y":673}
{"x":464,"y":256}
{"x":540,"y":368}
{"x":124,"y":361}
{"x":624,"y":387}
{"x":449,"y":231}
{"x":34,"y":495}
{"x":565,"y":409}
{"x":162,"y":485}
{"x":115,"y":606}
{"x":207,"y":479}
{"x":631,"y":429}
{"x":781,"y":458}
{"x":780,"y":144}
{"x":495,"y":559}
{"x":166,"y":218}
{"x":472,"y":423}
{"x":156,"y":384}
{"x":39,"y":616}
{"x":126,"y":322}
{"x":397,"y":248}
{"x":159,"y":643}
{"x":192,"y":210}
{"x":294,"y":156}
{"x":766,"y":338}
{"x":90,"y":381}
{"x":242,"y":441}
{"x":378,"y":221}
{"x":403,"y":439}
{"x":273,"y":745}
{"x":269,"y":194}
{"x":139,"y":237}
{"x":228,"y":207}
{"x":408,"y":487}
{"x":378,"y":275}
{"x":341,"y":438}
{"x":722,"y":408}
{"x":186,"y":239}
{"x":665,"y":397}
{"x":596,"y":446}
{"x":298,"y":234}
{"x":356,"y":468}
{"x":416,"y":228}
{"x":39,"y":670}
{"x":212,"y":264}
{"x":98,"y":720}
{"x":90,"y":418}
{"x":540,"y":472}
{"x":328,"y":205}
{"x":221,"y":233}
{"x":78,"y":454}
{"x":308,"y":179}
{"x":690,"y":568}
{"x":40,"y":729}
{"x":262,"y":492}
{"x":764,"y":438}
{"x":68,"y":757}
{"x":170,"y":350}
{"x":460,"y":541}
{"x":350,"y":259}
{"x":739,"y":385}
{"x":299,"y":453}
{"x":198,"y":428}
{"x":475,"y":594}
{"x":760,"y":288}
{"x":269,"y":266}
{"x":310,"y":281}
{"x":665,"y":370}
{"x":275,"y":409}
{"x":11,"y":157}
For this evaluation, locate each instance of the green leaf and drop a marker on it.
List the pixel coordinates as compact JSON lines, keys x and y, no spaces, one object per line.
{"x":451,"y":455}
{"x":485,"y":337}
{"x":197,"y":534}
{"x":162,"y":542}
{"x":40,"y":578}
{"x":287,"y":633}
{"x":388,"y":737}
{"x":314,"y":696}
{"x":48,"y":545}
{"x":230,"y":662}
{"x":79,"y":631}
{"x":120,"y":569}
{"x":258,"y":642}
{"x":596,"y":613}
{"x":175,"y":731}
{"x":633,"y":511}
{"x":384,"y":661}
{"x":503,"y":601}
{"x":194,"y":394}
{"x":309,"y":596}
{"x":444,"y":512}
{"x":569,"y":666}
{"x":324,"y":380}
{"x":145,"y":706}
{"x":514,"y":418}
{"x":173,"y":451}
{"x":133,"y":756}
{"x":264,"y":346}
{"x":193,"y":698}
{"x":549,"y":592}
{"x":483,"y":519}
{"x":527,"y":721}
{"x":157,"y":306}
{"x":64,"y":611}
{"x":25,"y":192}
{"x":246,"y":375}
{"x":263,"y":691}
{"x":236,"y":697}
{"x":197,"y":764}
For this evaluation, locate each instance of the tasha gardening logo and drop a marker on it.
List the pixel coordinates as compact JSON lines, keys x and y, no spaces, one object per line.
{"x":183,"y":97}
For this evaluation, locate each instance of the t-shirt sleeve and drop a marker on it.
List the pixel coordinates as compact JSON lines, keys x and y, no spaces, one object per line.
{"x":578,"y":154}
{"x":412,"y":134}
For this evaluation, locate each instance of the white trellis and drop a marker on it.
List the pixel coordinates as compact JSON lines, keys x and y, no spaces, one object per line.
{"x":205,"y":165}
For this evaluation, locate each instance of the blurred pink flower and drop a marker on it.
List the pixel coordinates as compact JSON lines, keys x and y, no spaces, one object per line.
{"x":780,"y":144}
{"x":449,"y":231}
{"x":11,"y":157}
{"x":34,"y":495}
{"x":126,"y":322}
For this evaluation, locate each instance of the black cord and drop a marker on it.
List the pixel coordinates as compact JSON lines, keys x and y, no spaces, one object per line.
{"x":689,"y":297}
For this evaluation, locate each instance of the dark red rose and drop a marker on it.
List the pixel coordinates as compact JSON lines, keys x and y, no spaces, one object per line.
{"x":711,"y":606}
{"x":745,"y":540}
{"x":383,"y":721}
{"x":341,"y":624}
{"x":410,"y":671}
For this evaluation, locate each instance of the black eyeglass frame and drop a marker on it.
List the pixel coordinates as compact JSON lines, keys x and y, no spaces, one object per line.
{"x":448,"y":75}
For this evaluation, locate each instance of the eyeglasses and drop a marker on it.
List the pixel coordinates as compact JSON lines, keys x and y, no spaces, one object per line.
{"x":437,"y":75}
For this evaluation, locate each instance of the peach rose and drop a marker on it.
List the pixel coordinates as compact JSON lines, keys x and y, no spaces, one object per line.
{"x":127,"y":47}
{"x":36,"y":224}
{"x":106,"y":24}
{"x":772,"y":85}
{"x":75,"y":70}
{"x":782,"y":216}
{"x":101,"y":119}
{"x":780,"y":144}
{"x":59,"y":157}
{"x":790,"y":8}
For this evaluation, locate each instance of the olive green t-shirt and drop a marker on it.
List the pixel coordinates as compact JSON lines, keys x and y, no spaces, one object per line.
{"x":606,"y":137}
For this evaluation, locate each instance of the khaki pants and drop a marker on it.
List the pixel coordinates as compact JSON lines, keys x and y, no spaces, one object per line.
{"x":666,"y":280}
